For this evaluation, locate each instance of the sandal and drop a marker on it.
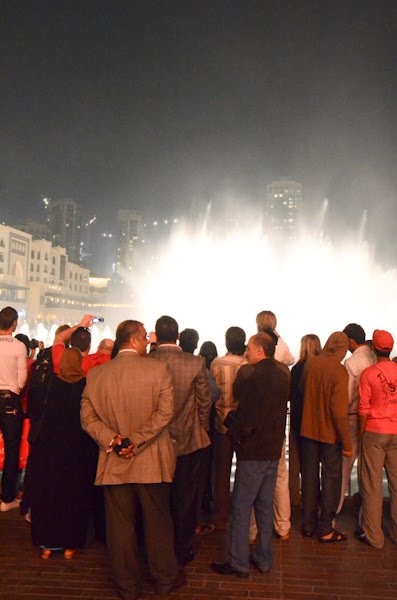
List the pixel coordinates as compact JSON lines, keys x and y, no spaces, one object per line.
{"x":45,"y":553}
{"x":205,"y":528}
{"x":68,"y":554}
{"x":336,"y":536}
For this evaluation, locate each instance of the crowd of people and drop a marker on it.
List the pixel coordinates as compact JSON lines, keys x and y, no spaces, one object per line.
{"x":135,"y":442}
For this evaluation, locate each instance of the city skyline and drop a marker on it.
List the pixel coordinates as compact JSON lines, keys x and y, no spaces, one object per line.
{"x":169,"y":106}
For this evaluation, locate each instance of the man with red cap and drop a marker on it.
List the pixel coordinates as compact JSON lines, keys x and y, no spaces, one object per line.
{"x":377,"y":410}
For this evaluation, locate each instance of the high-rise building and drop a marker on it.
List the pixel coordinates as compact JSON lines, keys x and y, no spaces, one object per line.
{"x":66,"y":227}
{"x":87,"y":243}
{"x":129,"y":236}
{"x":284,"y":199}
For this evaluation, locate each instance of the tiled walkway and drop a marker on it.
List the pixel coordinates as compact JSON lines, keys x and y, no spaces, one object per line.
{"x":303,"y":569}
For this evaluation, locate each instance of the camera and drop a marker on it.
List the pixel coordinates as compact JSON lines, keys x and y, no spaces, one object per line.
{"x":98,"y":319}
{"x":33,"y":344}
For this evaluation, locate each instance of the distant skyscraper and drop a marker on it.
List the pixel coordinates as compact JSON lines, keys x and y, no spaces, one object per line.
{"x":66,"y":227}
{"x":284,"y":199}
{"x":129,"y":235}
{"x":89,"y":234}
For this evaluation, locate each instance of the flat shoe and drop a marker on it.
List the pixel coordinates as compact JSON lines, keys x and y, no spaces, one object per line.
{"x":336,"y":536}
{"x":68,"y":554}
{"x":45,"y":554}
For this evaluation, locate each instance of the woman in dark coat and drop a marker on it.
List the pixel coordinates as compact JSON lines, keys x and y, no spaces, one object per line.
{"x":310,"y":346}
{"x":60,"y":473}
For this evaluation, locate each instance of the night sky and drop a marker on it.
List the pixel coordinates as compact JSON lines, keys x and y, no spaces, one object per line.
{"x":161,"y":106}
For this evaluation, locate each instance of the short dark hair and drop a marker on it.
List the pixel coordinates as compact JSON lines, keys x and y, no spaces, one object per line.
{"x":235,"y":340}
{"x":355,"y":332}
{"x":382,"y":353}
{"x":166,"y":329}
{"x":7,"y":317}
{"x":25,"y":340}
{"x":124,"y":331}
{"x":188,"y":340}
{"x":81,"y":339}
{"x":267,"y":339}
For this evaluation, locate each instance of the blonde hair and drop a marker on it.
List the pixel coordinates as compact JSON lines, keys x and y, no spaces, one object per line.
{"x":310,"y":346}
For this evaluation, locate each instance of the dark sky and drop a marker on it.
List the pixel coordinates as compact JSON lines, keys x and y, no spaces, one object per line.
{"x":158,"y":105}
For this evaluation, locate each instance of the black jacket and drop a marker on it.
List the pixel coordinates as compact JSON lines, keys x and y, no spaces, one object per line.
{"x":258,"y":430}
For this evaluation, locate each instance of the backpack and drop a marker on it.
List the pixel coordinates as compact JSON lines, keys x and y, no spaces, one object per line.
{"x":41,"y":374}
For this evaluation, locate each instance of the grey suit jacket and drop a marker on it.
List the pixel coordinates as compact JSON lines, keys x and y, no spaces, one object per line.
{"x":131,"y":396}
{"x":192,"y":398}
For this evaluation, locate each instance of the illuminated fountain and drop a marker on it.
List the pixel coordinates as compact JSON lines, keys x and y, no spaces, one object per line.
{"x":211,"y":278}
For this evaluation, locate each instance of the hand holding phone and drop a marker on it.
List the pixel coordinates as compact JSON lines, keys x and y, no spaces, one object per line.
{"x":125,"y":443}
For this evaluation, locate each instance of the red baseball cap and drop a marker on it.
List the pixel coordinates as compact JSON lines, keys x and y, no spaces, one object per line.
{"x":382,"y":340}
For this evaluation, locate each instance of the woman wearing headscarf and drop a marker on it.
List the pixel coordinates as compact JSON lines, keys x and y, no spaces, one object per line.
{"x":60,"y":473}
{"x":325,"y":437}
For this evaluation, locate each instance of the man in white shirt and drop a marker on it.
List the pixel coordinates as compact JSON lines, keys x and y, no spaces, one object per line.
{"x":13,"y":375}
{"x":361,"y":358}
{"x":266,"y":319}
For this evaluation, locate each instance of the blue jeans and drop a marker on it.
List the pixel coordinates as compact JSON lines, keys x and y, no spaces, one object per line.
{"x":254,"y":485}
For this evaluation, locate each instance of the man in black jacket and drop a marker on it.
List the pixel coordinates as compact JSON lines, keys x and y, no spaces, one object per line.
{"x":258,"y":432}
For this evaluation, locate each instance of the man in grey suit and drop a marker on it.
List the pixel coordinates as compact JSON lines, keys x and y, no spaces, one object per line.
{"x":130,"y":399}
{"x":188,"y":428}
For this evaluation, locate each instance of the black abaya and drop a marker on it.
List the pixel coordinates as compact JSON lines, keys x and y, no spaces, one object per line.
{"x":60,"y":474}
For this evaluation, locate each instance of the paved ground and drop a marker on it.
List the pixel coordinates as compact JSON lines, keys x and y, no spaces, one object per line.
{"x":303,"y":569}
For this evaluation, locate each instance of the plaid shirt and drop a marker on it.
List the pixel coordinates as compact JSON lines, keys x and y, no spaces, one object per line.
{"x":224,"y":370}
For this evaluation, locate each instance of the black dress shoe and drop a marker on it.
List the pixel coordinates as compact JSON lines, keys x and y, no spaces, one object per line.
{"x":227,"y":569}
{"x":361,"y":536}
{"x":255,"y":564}
{"x":185,"y":559}
{"x":305,"y":533}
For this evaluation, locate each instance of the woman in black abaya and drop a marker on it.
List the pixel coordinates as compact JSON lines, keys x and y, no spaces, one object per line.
{"x":60,"y":473}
